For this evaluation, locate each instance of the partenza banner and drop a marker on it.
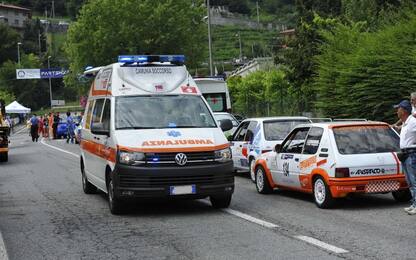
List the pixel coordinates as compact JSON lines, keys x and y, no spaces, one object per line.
{"x":28,"y":74}
{"x":40,"y":73}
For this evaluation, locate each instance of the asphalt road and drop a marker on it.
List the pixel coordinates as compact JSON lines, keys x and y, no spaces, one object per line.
{"x":44,"y":214}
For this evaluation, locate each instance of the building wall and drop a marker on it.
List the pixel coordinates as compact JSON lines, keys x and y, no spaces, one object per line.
{"x":13,"y":17}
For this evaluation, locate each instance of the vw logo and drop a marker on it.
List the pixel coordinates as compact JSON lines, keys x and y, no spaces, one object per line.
{"x":181,"y":159}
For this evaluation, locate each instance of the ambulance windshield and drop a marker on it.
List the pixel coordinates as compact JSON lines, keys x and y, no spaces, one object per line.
{"x":170,"y":111}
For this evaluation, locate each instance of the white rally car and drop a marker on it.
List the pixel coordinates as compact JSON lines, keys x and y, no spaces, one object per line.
{"x":332,"y":160}
{"x":255,"y":136}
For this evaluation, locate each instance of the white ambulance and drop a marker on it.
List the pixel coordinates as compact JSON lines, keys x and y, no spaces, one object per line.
{"x":149,"y":133}
{"x":331,"y":160}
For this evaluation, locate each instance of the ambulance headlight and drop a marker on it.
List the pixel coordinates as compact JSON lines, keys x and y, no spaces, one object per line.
{"x":223,"y":155}
{"x":131,"y":158}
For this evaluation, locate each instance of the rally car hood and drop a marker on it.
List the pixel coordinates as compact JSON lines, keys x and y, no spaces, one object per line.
{"x":171,"y":139}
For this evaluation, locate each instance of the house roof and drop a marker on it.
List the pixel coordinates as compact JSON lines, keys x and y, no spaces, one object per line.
{"x":14,"y":7}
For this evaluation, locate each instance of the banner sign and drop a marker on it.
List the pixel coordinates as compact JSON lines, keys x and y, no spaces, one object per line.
{"x":53,"y":73}
{"x":58,"y":102}
{"x":28,"y":74}
{"x":41,"y":73}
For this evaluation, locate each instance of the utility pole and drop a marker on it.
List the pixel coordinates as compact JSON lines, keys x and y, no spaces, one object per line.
{"x":53,"y":9}
{"x":40,"y":47}
{"x":209,"y":38}
{"x":50,"y":83}
{"x":18,"y":53}
{"x":241,"y":51}
{"x":258,"y":16}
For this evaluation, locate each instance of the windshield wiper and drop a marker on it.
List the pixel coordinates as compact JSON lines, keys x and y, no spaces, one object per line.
{"x":134,"y":127}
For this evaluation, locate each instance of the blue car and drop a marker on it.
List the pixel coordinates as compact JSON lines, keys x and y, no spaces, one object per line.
{"x":62,"y":130}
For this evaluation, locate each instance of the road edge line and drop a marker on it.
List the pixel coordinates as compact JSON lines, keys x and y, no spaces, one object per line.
{"x":3,"y":251}
{"x":59,"y":149}
{"x":322,"y":244}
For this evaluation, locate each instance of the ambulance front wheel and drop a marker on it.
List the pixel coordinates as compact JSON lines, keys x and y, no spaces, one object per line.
{"x":220,"y":201}
{"x":114,"y":203}
{"x":322,"y":194}
{"x":87,"y":187}
{"x":402,"y":195}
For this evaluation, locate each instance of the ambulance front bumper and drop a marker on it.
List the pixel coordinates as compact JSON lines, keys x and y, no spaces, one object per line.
{"x":176,"y":182}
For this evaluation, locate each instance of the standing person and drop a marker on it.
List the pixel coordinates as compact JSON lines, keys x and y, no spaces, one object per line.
{"x":40,"y":126}
{"x":50,"y":123}
{"x":70,"y":128}
{"x":34,"y":122}
{"x":45,"y":126}
{"x":408,"y":147}
{"x":56,"y":120}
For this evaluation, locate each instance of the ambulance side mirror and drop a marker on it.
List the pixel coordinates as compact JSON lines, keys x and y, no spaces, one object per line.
{"x":278,"y":148}
{"x":226,"y":124}
{"x":98,"y":129}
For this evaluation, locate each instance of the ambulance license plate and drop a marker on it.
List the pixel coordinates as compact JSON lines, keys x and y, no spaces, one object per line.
{"x":182,"y":190}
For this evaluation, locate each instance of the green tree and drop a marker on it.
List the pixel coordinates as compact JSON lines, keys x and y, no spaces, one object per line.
{"x":8,"y":43}
{"x":106,"y":29}
{"x":32,"y":92}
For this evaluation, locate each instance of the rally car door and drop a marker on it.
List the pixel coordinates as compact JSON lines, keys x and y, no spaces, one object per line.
{"x":237,"y":144}
{"x":287,"y":161}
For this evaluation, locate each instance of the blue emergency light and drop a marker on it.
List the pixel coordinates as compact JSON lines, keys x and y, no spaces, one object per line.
{"x":178,"y":59}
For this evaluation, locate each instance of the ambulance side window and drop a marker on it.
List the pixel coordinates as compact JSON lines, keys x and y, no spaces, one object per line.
{"x":313,"y":140}
{"x":240,"y":133}
{"x":296,"y":141}
{"x":98,"y":110}
{"x":89,"y":114}
{"x":106,"y":115}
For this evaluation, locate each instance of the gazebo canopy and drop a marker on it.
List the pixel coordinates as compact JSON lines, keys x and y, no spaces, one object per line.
{"x":16,"y":108}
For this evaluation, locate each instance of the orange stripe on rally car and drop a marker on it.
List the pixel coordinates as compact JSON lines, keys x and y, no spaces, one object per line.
{"x":397,"y":162}
{"x":178,"y":149}
{"x":321,"y":162}
{"x":99,"y":150}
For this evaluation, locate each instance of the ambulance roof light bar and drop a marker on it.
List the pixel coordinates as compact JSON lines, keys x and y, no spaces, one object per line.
{"x":129,"y":59}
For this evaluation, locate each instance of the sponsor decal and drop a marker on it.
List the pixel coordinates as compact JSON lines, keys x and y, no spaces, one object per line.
{"x":153,"y":70}
{"x":287,"y":156}
{"x":174,"y":133}
{"x":158,"y":88}
{"x":370,"y":171}
{"x":177,"y":142}
{"x":308,"y":162}
{"x":321,"y":162}
{"x":189,"y":89}
{"x":286,"y":168}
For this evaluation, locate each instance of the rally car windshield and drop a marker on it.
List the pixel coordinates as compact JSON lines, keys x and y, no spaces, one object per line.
{"x":150,"y":112}
{"x":366,"y":139}
{"x":278,"y":129}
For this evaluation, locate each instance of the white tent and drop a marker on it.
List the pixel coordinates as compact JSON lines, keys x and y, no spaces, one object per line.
{"x":16,"y":108}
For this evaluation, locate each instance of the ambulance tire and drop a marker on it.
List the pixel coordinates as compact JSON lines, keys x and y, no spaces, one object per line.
{"x":321,"y":193}
{"x":87,"y":187}
{"x":221,"y":202}
{"x":4,"y":157}
{"x":251,"y":169}
{"x":402,"y":195}
{"x":262,"y":183}
{"x":114,"y":203}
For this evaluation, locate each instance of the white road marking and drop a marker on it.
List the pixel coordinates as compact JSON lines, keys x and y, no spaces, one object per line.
{"x":59,"y":149}
{"x":321,"y":244}
{"x":250,"y":218}
{"x":242,"y":215}
{"x":3,"y":252}
{"x":23,"y":128}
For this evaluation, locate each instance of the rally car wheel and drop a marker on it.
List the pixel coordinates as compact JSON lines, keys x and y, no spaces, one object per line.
{"x":262,"y":183}
{"x":402,"y":195}
{"x":114,"y":203}
{"x":322,"y":194}
{"x":252,"y":170}
{"x":86,"y":185}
